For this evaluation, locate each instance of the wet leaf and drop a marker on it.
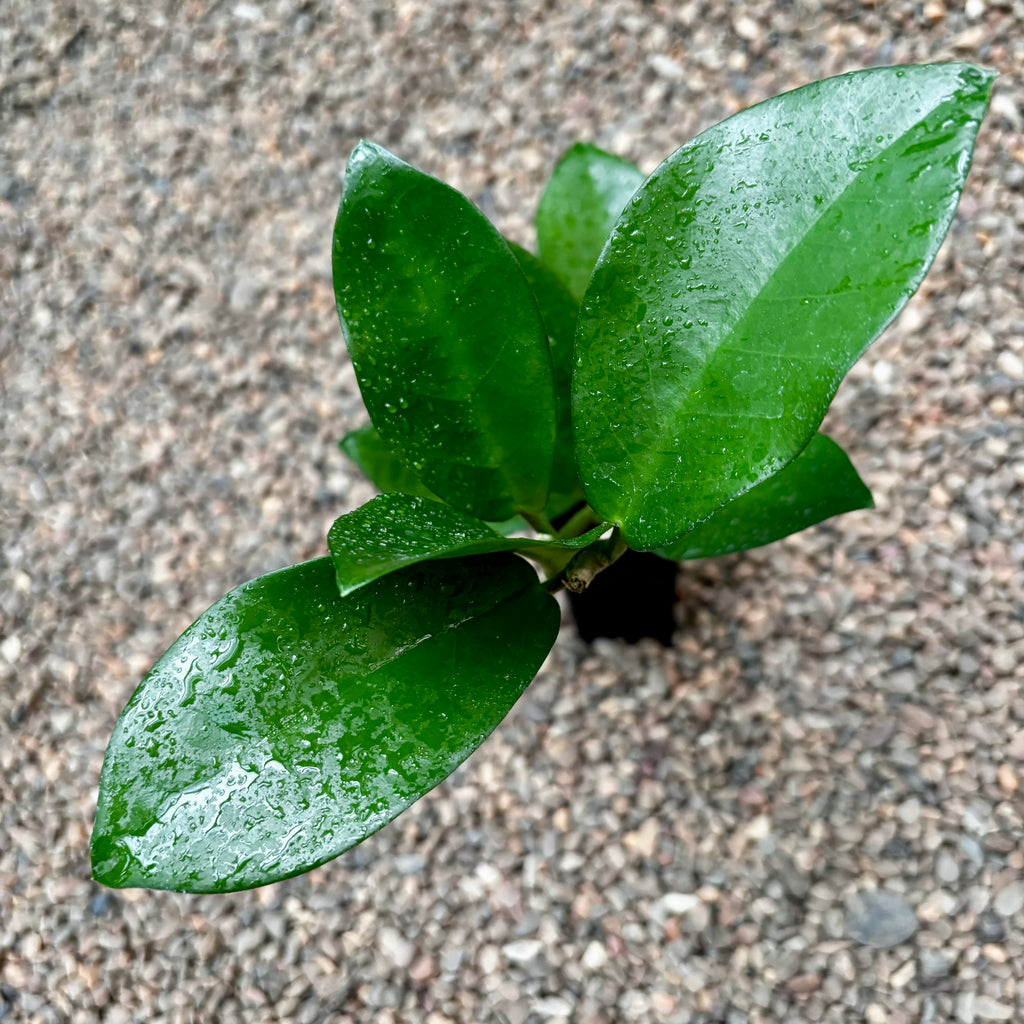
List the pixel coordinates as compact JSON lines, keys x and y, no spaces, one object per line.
{"x":388,"y":474}
{"x":746,"y":276}
{"x":579,"y":208}
{"x":558,"y":311}
{"x":448,"y":347}
{"x":288,"y":723}
{"x":385,"y":470}
{"x":392,"y":531}
{"x":396,"y":530}
{"x":819,"y":483}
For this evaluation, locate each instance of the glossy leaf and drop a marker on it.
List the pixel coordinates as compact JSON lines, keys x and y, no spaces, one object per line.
{"x":288,"y":723}
{"x":392,"y":531}
{"x":746,"y":276}
{"x":388,"y":474}
{"x":396,"y":530}
{"x":385,"y":470}
{"x":448,"y":347}
{"x":819,"y":483}
{"x":583,"y":199}
{"x":558,"y":311}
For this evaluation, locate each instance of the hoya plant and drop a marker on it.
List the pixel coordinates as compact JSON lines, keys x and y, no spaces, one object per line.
{"x":652,"y":379}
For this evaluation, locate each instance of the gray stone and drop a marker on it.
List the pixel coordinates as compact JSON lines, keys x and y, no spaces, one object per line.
{"x":972,"y":850}
{"x":988,"y":1008}
{"x":990,"y":927}
{"x":451,"y":960}
{"x":947,"y":870}
{"x":1009,"y":899}
{"x":410,"y":864}
{"x":934,"y":964}
{"x":879,"y":918}
{"x":964,"y":1009}
{"x":513,"y":1012}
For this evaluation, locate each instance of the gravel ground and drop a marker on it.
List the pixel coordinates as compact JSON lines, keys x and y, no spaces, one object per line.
{"x":809,"y":808}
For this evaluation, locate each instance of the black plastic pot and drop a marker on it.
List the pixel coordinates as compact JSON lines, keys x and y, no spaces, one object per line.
{"x":632,"y":599}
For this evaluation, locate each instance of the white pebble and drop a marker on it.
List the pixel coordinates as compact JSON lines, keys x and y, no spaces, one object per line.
{"x":10,"y":648}
{"x":677,"y":903}
{"x":1011,"y":364}
{"x":595,"y":956}
{"x":523,"y":950}
{"x":553,"y":1006}
{"x":395,"y":947}
{"x":666,"y":67}
{"x":746,"y":28}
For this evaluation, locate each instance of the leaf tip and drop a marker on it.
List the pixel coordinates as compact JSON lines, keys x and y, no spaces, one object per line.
{"x":110,"y":859}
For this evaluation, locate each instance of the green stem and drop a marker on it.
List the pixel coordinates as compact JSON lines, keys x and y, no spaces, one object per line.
{"x":582,"y":521}
{"x":552,"y":560}
{"x":539,"y":522}
{"x":586,"y":564}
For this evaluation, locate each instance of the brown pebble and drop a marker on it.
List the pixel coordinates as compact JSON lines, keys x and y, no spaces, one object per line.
{"x":1007,"y":777}
{"x":804,"y":984}
{"x":751,"y":796}
{"x":423,"y":968}
{"x":662,"y":1003}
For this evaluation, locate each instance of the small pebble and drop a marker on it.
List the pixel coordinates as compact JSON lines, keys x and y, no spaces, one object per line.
{"x":395,"y":947}
{"x":988,"y":1008}
{"x":1008,"y":780}
{"x":934,"y":964}
{"x":1009,"y":900}
{"x":877,"y":917}
{"x":947,"y":870}
{"x":1011,"y":364}
{"x":522,"y":951}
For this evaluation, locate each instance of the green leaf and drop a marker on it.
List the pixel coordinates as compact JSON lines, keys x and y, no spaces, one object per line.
{"x":819,"y":483}
{"x":747,"y":275}
{"x":558,"y":311}
{"x":288,"y":723}
{"x":392,"y":531}
{"x":579,"y":208}
{"x":448,"y":347}
{"x":387,"y":473}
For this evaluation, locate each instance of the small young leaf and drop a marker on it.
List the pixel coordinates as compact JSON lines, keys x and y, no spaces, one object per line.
{"x":818,"y":484}
{"x":579,"y":207}
{"x":385,"y":470}
{"x":392,"y":531}
{"x":558,"y":310}
{"x":448,"y":346}
{"x":388,"y":474}
{"x":288,"y":723}
{"x":746,"y":276}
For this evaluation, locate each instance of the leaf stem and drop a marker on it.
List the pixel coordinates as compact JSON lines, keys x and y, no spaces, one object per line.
{"x":539,"y":522}
{"x":579,"y":573}
{"x":578,"y":523}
